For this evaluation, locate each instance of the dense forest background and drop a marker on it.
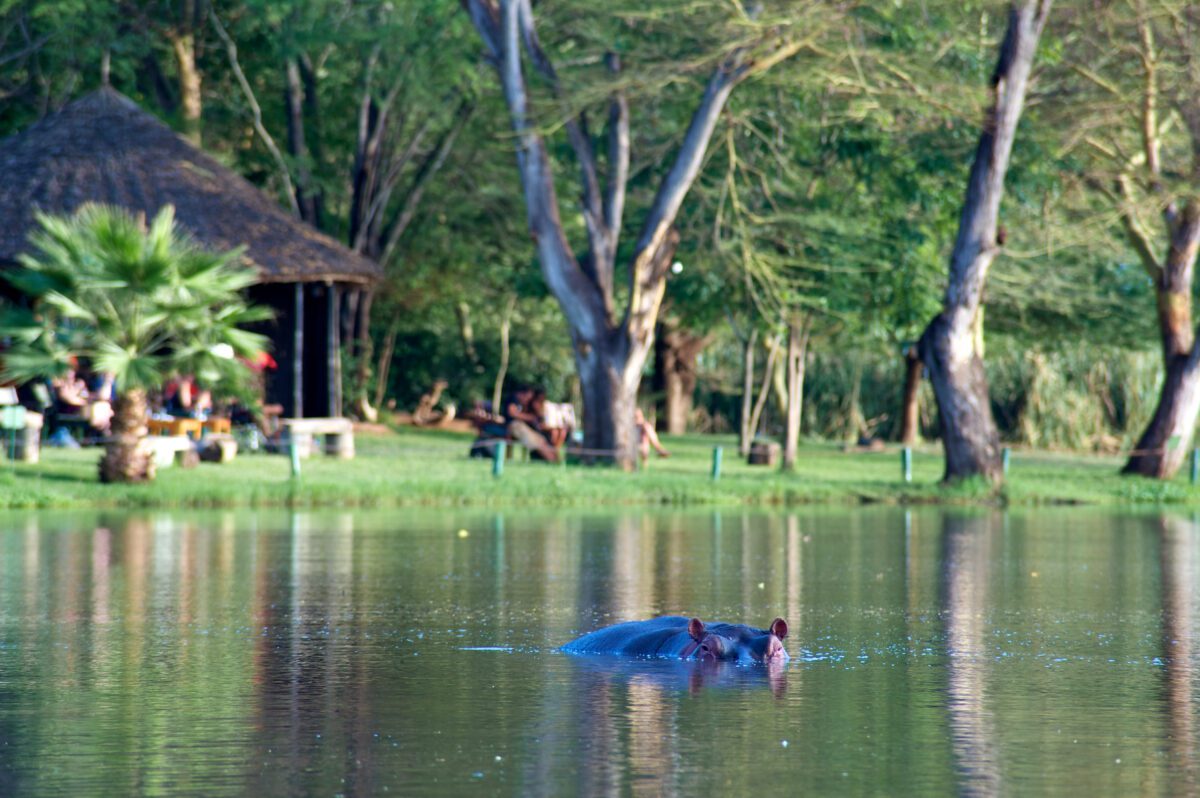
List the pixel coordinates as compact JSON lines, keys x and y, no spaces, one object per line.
{"x":829,"y":193}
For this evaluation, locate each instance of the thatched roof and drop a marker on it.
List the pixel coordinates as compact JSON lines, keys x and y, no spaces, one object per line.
{"x":104,"y":148}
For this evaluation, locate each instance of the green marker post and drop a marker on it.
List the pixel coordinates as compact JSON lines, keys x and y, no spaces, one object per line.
{"x":716,"y":463}
{"x":498,"y":459}
{"x":906,"y":463}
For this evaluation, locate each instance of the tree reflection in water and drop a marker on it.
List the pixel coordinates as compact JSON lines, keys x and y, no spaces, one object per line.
{"x":968,"y":543}
{"x":1180,"y":560}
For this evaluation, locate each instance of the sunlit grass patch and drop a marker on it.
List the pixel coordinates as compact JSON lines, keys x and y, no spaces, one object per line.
{"x":420,"y":468}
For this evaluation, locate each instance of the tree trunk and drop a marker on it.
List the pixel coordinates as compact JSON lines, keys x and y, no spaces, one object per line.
{"x":969,"y":433}
{"x":675,"y":355}
{"x":797,"y":349}
{"x":1163,"y":447}
{"x":127,"y":458}
{"x":856,"y":422}
{"x":191,"y":102}
{"x":385,"y":361}
{"x":609,"y":373}
{"x":502,"y":371}
{"x":745,"y":432}
{"x":910,"y":412}
{"x":466,"y":333}
{"x":365,"y":350}
{"x":765,"y":390}
{"x":949,"y":346}
{"x":779,"y":383}
{"x":307,"y":198}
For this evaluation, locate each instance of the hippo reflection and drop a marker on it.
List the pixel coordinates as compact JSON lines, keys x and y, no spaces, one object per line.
{"x":679,"y":675}
{"x":674,"y":636}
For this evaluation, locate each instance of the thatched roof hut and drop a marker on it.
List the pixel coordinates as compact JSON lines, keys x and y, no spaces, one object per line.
{"x":104,"y":148}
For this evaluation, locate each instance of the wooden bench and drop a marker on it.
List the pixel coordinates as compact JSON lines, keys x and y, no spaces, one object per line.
{"x":168,"y":449}
{"x":338,"y":434}
{"x":218,"y":447}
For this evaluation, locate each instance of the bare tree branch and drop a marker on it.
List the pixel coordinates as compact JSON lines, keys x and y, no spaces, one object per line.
{"x":976,"y":246}
{"x":1134,"y":231}
{"x":599,"y":265}
{"x":678,"y":180}
{"x":256,"y":111}
{"x":618,"y":161}
{"x":485,"y":15}
{"x":574,"y":289}
{"x":421,"y":182}
{"x":28,"y":49}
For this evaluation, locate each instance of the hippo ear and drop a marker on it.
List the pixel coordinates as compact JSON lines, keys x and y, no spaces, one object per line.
{"x":696,"y":629}
{"x":779,"y":628}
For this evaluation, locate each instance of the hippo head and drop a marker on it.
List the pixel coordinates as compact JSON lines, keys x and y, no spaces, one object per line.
{"x":739,"y":643}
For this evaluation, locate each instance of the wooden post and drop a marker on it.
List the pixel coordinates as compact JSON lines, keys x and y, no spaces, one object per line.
{"x":333,"y":357}
{"x":348,"y":314}
{"x":298,"y":353}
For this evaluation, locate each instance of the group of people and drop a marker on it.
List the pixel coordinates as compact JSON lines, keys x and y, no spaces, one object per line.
{"x":527,"y":417}
{"x":543,"y":427}
{"x":183,"y":397}
{"x":78,"y":404}
{"x":87,"y":397}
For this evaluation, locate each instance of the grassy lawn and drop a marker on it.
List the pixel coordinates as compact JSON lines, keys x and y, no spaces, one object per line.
{"x":431,"y":468}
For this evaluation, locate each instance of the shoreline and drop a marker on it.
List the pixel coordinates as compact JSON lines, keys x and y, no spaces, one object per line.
{"x":430,"y":469}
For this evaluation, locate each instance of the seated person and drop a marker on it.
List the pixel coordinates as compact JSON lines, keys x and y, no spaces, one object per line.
{"x":489,"y":428}
{"x":183,"y":397}
{"x":521,"y":424}
{"x":70,"y":399}
{"x":70,"y":393}
{"x":647,"y":436}
{"x":102,"y":394}
{"x":557,"y":420}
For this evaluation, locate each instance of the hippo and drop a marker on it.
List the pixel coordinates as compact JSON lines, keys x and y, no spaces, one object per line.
{"x":674,"y":636}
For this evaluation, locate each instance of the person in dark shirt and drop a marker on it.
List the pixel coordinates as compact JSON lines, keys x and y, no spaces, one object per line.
{"x":521,"y":423}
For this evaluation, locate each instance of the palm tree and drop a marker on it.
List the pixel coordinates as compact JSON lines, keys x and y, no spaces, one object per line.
{"x":140,"y":303}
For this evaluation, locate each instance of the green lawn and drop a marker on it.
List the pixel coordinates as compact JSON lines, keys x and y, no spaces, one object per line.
{"x":431,"y":468}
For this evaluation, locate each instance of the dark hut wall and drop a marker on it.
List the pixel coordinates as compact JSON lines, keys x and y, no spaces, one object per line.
{"x":306,"y":340}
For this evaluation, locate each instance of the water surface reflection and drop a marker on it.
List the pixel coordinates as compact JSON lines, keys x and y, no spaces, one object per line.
{"x":368,"y":653}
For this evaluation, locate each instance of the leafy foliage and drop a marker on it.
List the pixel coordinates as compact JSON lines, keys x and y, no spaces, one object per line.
{"x":139,"y":302}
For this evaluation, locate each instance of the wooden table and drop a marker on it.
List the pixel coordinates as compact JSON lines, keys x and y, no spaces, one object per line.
{"x":194,"y":428}
{"x":190,"y":427}
{"x":220,"y":426}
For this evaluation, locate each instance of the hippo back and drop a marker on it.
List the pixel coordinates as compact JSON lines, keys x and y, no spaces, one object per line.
{"x":677,"y":636}
{"x":658,"y":637}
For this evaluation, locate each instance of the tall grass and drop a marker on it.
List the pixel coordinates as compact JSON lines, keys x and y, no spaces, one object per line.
{"x":1078,"y":398}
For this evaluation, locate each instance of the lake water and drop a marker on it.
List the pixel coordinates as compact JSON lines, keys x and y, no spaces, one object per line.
{"x":369,"y":653}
